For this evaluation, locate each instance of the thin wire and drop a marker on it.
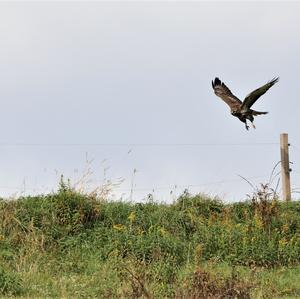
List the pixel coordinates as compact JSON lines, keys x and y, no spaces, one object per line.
{"x":3,"y":144}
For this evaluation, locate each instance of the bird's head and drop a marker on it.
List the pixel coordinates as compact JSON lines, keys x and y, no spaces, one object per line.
{"x":234,"y":112}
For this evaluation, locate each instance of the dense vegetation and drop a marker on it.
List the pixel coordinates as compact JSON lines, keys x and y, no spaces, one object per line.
{"x":72,"y":245}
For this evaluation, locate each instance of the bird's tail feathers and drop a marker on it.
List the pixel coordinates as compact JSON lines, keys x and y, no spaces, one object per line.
{"x":258,"y":112}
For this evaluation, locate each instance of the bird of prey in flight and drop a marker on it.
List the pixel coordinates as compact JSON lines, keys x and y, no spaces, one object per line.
{"x":240,"y":109}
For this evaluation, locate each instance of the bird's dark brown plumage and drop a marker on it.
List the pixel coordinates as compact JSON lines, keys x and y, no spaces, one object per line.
{"x":238,"y":108}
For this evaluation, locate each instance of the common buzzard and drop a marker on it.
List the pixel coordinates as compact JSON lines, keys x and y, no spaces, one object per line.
{"x":240,"y":109}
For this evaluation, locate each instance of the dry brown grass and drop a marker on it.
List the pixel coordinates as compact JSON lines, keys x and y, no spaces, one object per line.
{"x":206,"y":286}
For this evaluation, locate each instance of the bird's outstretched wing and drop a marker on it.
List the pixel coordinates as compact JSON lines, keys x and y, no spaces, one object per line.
{"x":254,"y":95}
{"x":222,"y":91}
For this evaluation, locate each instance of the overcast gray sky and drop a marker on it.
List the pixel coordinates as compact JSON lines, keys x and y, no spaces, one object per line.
{"x":118,"y":73}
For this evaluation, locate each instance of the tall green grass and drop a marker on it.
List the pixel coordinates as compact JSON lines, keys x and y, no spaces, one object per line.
{"x":70,"y":244}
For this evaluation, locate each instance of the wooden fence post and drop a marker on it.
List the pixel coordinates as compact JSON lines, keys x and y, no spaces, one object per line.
{"x":285,"y":167}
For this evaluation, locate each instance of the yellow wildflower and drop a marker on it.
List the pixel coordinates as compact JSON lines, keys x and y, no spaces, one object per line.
{"x":163,"y":231}
{"x":132,"y":216}
{"x":119,"y":227}
{"x":258,"y":222}
{"x":282,"y":242}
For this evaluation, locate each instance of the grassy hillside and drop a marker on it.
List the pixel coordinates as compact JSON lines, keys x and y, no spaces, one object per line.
{"x":73,"y":245}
